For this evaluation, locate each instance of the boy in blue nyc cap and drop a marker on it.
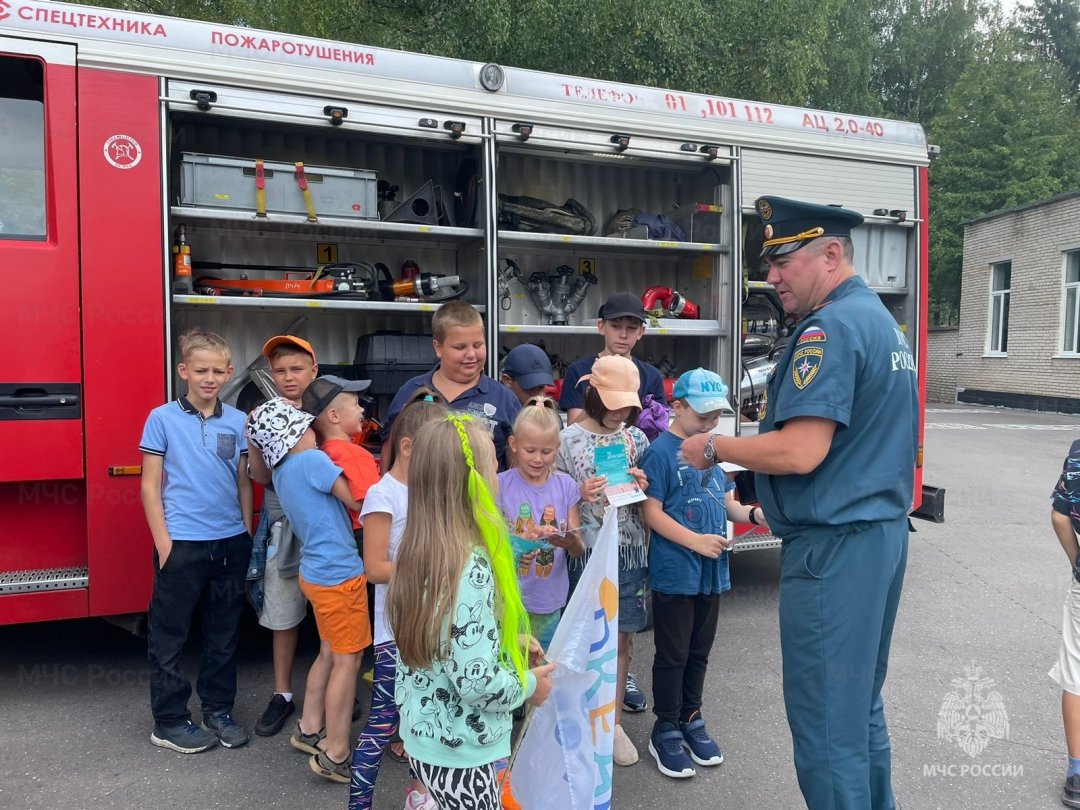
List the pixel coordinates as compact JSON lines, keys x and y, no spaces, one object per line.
{"x":687,"y":511}
{"x":704,"y":391}
{"x":790,"y":224}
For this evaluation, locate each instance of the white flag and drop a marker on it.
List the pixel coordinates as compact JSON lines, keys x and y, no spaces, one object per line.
{"x":564,"y":761}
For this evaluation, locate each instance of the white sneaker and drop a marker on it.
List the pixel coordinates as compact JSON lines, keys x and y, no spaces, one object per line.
{"x":415,"y":800}
{"x":624,"y":752}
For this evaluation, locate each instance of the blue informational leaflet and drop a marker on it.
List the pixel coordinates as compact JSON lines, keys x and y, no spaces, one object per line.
{"x":611,"y":463}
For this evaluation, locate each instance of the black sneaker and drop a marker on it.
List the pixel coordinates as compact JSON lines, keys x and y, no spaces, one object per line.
{"x":222,"y":725}
{"x":273,"y":719}
{"x":634,"y":700}
{"x":1070,"y":792}
{"x":184,"y":738}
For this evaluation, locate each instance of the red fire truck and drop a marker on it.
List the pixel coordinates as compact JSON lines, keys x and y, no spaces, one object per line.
{"x":131,"y":144}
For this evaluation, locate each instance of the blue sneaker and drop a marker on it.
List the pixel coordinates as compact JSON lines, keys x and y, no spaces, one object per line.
{"x":703,"y":748}
{"x":1070,"y":793}
{"x":634,"y":700}
{"x":666,"y":747}
{"x":184,"y":738}
{"x":222,"y":725}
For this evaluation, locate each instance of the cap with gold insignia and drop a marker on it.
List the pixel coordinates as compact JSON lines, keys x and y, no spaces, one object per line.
{"x":790,"y":224}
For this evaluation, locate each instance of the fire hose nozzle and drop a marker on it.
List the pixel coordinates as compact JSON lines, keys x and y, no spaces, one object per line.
{"x":424,"y":285}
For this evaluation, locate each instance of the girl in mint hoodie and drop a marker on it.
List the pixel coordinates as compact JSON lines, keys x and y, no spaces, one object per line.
{"x":455,"y":609}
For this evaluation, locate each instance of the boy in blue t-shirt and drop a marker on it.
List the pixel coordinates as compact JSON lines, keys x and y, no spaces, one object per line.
{"x":314,"y":494}
{"x":687,"y":510}
{"x":198,"y":506}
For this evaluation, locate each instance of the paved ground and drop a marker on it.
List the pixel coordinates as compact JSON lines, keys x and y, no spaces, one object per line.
{"x":983,"y":590}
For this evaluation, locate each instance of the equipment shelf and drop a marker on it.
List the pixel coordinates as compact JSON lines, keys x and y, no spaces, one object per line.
{"x":667,"y":328}
{"x":764,"y":285}
{"x":329,"y":226}
{"x":329,"y":302}
{"x":604,"y":244}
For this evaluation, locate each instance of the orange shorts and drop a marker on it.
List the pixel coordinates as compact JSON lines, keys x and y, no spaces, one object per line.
{"x":341,"y":613}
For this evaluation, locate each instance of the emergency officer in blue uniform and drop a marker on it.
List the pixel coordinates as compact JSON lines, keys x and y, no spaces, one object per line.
{"x":835,"y":463}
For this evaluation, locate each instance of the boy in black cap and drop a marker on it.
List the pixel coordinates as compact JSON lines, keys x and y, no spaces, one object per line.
{"x":335,"y":404}
{"x":622,"y":323}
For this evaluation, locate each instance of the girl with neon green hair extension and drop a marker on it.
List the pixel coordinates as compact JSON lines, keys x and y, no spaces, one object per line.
{"x":455,"y":609}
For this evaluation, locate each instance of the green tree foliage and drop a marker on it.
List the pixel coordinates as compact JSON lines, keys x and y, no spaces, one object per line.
{"x":923,"y":47}
{"x":778,"y":52}
{"x":845,"y":83}
{"x":1008,"y":136}
{"x":1052,"y":29}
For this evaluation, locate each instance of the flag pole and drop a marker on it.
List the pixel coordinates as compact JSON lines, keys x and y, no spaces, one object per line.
{"x":529,"y":712}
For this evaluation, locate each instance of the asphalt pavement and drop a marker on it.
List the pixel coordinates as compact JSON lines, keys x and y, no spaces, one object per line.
{"x":975,"y":721}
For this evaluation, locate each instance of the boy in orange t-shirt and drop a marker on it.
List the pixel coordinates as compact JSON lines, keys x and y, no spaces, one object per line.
{"x":335,"y":404}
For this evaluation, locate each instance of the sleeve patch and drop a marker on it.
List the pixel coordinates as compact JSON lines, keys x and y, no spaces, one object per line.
{"x":805,"y":365}
{"x":814,"y":334}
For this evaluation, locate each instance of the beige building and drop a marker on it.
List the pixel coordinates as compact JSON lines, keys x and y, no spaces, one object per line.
{"x":1019,"y":339}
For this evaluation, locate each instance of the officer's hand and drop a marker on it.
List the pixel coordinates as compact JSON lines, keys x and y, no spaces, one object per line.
{"x":710,"y":545}
{"x":693,"y":450}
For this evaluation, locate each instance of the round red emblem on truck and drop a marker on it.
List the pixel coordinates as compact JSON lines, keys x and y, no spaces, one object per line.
{"x":122,"y":152}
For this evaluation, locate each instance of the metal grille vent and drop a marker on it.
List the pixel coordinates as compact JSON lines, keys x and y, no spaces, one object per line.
{"x":43,"y":579}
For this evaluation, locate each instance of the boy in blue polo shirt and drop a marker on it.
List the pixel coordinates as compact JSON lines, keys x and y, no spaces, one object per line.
{"x":457,"y":332}
{"x":687,"y":510}
{"x":198,"y":506}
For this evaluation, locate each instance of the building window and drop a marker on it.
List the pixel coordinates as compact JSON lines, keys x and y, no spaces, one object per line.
{"x":1070,"y":343}
{"x":22,"y":149}
{"x":1000,"y":281}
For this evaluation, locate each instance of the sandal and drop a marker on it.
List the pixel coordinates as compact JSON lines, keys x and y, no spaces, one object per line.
{"x":308,"y":743}
{"x":328,"y":769}
{"x":392,"y":752}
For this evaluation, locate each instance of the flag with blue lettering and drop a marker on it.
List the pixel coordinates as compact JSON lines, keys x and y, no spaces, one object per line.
{"x":565,"y":762}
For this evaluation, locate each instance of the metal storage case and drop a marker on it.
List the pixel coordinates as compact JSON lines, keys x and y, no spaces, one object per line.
{"x":212,"y":181}
{"x":390,"y":359}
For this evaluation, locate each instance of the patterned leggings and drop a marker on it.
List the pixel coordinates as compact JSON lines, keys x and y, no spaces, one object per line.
{"x":460,"y":788}
{"x":380,"y":726}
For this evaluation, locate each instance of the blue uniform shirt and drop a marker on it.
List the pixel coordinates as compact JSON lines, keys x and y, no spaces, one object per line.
{"x":200,"y":459}
{"x":848,"y":362}
{"x":695,"y":499}
{"x":573,"y":390}
{"x":303,"y":482}
{"x":489,"y":400}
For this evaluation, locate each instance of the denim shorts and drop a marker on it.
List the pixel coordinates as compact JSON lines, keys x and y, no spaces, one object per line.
{"x":632,"y":600}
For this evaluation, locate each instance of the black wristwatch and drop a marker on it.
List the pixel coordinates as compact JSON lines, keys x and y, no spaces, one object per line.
{"x":709,"y":451}
{"x":751,"y":517}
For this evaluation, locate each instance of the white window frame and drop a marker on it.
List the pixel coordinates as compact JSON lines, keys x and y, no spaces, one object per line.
{"x":1069,"y":345}
{"x":997,"y":320}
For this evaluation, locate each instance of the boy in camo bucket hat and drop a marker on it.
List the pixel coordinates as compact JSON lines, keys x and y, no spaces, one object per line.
{"x":314,"y":494}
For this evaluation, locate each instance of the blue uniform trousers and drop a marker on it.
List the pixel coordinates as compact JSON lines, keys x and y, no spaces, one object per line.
{"x":839,"y":591}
